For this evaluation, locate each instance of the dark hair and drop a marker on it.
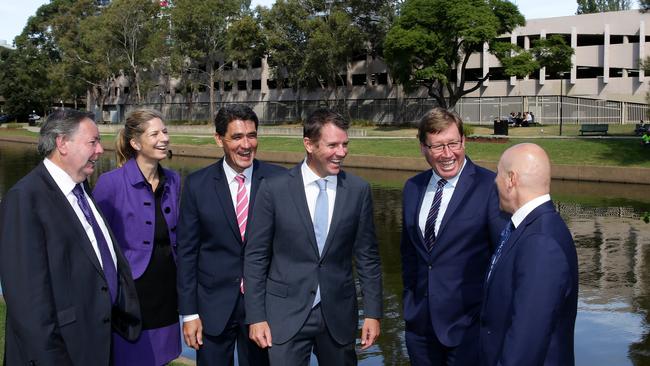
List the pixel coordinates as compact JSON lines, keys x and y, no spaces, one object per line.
{"x":229,"y":113}
{"x":135,"y":125}
{"x":437,"y":120}
{"x":62,"y":122}
{"x":319,"y":118}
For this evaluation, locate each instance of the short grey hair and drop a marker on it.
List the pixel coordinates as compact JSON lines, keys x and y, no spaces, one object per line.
{"x":62,"y":122}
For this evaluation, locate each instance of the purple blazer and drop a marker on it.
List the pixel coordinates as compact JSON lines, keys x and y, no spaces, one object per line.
{"x":128,"y":205}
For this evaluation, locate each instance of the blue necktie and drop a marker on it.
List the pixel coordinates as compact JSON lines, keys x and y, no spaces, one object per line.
{"x":107,"y":260}
{"x":430,"y":226}
{"x":320,"y":223}
{"x":503,"y":239}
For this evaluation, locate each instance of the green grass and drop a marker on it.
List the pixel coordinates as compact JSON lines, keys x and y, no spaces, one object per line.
{"x":566,"y":151}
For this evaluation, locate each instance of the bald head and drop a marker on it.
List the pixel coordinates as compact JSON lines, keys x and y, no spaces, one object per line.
{"x":524,"y":173}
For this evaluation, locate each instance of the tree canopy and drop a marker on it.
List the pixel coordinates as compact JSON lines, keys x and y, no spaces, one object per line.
{"x":599,"y":6}
{"x":431,"y":42}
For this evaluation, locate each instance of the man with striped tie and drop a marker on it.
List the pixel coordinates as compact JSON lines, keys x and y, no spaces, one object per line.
{"x":450,"y":226}
{"x":215,"y":206}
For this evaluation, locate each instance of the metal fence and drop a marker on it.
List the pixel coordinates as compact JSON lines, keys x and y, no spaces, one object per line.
{"x":546,"y":109}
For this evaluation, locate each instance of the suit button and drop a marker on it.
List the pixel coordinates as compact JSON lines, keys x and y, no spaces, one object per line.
{"x":313,"y":292}
{"x":173,"y":229}
{"x":106,"y":320}
{"x":146,"y":242}
{"x":168,"y":210}
{"x":430,"y":266}
{"x":104,"y":288}
{"x":489,"y":332}
{"x":148,"y":222}
{"x":237,"y":279}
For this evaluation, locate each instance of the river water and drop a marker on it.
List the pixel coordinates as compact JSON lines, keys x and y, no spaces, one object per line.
{"x":613,"y":245}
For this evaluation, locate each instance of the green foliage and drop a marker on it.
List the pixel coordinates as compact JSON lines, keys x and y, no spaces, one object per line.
{"x":646,"y":217}
{"x":432,"y":39}
{"x":644,"y":5}
{"x":468,"y":130}
{"x":362,"y":123}
{"x":553,"y":53}
{"x":598,"y":6}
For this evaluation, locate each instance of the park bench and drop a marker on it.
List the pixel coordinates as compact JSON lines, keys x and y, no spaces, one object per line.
{"x":594,"y":128}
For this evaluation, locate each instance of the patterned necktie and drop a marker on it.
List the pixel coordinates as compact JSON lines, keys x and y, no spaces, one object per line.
{"x":320,"y":223}
{"x":430,"y":226}
{"x":503,"y":239}
{"x":107,"y":260}
{"x":242,"y":204}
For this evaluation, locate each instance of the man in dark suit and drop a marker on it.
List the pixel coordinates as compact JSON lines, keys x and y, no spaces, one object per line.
{"x":531,"y":293}
{"x":64,"y":279}
{"x":307,"y":226}
{"x":212,"y":235}
{"x":451,"y":221}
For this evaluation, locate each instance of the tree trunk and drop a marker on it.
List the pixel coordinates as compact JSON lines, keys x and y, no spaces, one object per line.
{"x":210,"y":68}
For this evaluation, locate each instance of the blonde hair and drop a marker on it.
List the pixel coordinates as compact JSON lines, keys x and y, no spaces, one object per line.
{"x":136,"y":124}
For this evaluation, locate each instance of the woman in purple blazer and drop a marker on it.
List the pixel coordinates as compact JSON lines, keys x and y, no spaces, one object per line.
{"x":140,"y":202}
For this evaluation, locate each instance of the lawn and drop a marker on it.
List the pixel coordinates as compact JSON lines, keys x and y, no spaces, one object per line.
{"x":566,"y":151}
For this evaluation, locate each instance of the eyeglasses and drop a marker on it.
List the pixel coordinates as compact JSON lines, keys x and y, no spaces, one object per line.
{"x":438,"y":148}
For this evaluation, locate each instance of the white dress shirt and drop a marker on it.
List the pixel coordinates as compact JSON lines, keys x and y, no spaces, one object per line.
{"x":66,"y":185}
{"x":309,"y":178}
{"x":447,"y":192}
{"x":523,"y":211}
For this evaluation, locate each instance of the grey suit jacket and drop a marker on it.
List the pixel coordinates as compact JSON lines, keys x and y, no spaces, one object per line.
{"x":283,"y":269}
{"x":59,"y":311}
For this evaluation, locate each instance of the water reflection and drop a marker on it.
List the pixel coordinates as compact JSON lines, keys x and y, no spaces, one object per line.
{"x":613,"y":247}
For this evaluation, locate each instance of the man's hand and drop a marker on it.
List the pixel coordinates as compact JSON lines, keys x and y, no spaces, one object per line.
{"x":193,"y":333}
{"x":260,"y":333}
{"x":369,"y":332}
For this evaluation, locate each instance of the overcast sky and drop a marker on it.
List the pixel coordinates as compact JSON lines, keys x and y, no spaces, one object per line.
{"x":14,"y":14}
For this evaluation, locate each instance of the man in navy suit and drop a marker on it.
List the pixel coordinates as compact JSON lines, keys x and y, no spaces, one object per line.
{"x":211,"y":236}
{"x":307,"y":226}
{"x":451,"y":222}
{"x":531,"y":293}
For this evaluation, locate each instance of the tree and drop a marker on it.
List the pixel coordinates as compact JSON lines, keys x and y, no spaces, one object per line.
{"x":131,"y":26}
{"x":432,"y":40}
{"x":199,"y":29}
{"x":599,"y":6}
{"x":644,"y":5}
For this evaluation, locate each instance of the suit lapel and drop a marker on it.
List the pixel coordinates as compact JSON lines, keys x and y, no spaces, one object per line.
{"x":225,"y":199}
{"x":422,"y":189}
{"x":342,"y":197}
{"x":516,"y":234}
{"x":61,"y":201}
{"x":297,"y":193}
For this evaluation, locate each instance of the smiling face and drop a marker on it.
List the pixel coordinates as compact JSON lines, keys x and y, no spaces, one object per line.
{"x":239,"y":144}
{"x":153,"y":143}
{"x":446,"y":163}
{"x":326,"y":155}
{"x":79,"y":151}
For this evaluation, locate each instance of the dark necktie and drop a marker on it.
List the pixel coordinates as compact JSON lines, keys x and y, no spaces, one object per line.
{"x":503,"y":239}
{"x":430,"y":226}
{"x":107,"y":261}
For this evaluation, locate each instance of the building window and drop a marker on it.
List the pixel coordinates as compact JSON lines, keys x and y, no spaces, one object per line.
{"x":271,"y":84}
{"x":215,"y":85}
{"x":359,"y":79}
{"x":257,"y":63}
{"x":126,"y":90}
{"x":241,"y":85}
{"x":342,"y":80}
{"x":227,"y":85}
{"x":256,"y":84}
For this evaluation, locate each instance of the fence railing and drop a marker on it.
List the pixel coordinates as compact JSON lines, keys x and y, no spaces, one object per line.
{"x":546,"y":109}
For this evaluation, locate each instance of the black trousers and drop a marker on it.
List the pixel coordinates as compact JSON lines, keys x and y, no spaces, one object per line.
{"x":219,"y":350}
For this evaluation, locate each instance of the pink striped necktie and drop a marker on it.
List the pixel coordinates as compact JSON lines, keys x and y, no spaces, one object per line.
{"x":242,"y":212}
{"x":242,"y":205}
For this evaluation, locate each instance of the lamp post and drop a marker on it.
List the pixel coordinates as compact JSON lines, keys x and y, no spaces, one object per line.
{"x":561,"y":73}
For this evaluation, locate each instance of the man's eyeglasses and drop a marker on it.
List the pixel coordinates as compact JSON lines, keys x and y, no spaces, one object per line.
{"x":438,"y":148}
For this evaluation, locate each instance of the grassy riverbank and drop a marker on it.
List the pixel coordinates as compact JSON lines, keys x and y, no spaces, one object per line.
{"x":621,"y":152}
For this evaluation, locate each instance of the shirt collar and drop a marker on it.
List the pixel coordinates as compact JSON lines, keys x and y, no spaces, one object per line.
{"x":451,"y":182}
{"x":309,"y":177}
{"x":231,"y":173}
{"x":61,"y":178}
{"x":524,"y":210}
